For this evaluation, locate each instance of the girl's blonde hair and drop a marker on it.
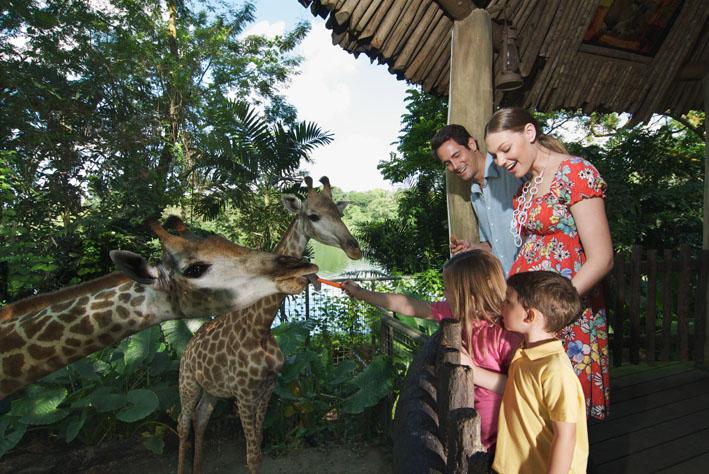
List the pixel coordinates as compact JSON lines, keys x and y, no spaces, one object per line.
{"x":514,"y":119}
{"x":475,"y":285}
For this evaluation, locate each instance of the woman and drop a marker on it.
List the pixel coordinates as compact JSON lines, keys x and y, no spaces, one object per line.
{"x":560,"y":223}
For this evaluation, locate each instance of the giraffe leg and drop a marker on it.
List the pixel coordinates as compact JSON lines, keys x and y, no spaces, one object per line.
{"x":247,"y":413}
{"x":189,"y":394}
{"x":261,"y":409}
{"x":201,"y":420}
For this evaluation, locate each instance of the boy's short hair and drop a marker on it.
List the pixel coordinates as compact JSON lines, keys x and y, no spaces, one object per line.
{"x":455,"y":132}
{"x":550,"y":293}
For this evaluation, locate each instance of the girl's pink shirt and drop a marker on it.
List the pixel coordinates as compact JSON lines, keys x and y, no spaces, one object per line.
{"x":495,"y":356}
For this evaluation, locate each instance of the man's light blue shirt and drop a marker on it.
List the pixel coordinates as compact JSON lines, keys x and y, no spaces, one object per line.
{"x":493,"y":207}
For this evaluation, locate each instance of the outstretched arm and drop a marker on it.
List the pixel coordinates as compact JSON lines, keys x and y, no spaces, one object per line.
{"x":395,"y":302}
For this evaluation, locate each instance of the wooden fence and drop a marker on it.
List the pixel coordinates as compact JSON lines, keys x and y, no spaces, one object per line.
{"x":657,"y":305}
{"x":656,"y":308}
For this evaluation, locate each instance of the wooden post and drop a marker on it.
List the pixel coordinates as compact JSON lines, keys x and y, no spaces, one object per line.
{"x":705,"y":232}
{"x":464,"y":440}
{"x":635,"y":277}
{"x":651,"y":316}
{"x":683,"y":302}
{"x":701,"y":307}
{"x":470,"y":105}
{"x":451,"y":337}
{"x":448,"y":358}
{"x":667,"y":307}
{"x":619,"y":309}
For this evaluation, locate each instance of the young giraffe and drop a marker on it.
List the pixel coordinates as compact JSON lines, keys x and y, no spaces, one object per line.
{"x":236,"y":355}
{"x":41,"y":334}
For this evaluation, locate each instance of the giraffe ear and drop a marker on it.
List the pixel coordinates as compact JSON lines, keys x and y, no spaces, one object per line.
{"x":291,"y":203}
{"x":133,"y":265}
{"x":341,"y":205}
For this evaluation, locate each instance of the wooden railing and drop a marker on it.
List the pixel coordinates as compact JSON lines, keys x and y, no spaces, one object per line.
{"x":657,"y":305}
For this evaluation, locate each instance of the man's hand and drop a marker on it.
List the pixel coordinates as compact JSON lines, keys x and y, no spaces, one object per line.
{"x":458,"y":246}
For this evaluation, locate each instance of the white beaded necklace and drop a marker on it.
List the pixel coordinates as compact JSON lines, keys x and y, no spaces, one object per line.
{"x":524,"y":202}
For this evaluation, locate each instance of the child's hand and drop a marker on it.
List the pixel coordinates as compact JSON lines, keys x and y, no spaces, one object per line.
{"x":465,"y":359}
{"x":351,"y":288}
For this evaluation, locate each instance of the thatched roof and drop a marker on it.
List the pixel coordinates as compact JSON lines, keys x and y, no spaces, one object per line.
{"x":562,"y":64}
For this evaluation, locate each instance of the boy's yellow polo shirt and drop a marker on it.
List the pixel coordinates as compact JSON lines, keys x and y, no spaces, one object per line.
{"x":541,"y":388}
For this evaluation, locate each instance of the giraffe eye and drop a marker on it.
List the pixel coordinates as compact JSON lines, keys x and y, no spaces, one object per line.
{"x":314,"y":217}
{"x":196,"y":270}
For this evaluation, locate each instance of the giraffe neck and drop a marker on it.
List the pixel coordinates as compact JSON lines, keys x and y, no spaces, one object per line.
{"x":294,"y":239}
{"x":293,"y":244}
{"x":50,"y":335}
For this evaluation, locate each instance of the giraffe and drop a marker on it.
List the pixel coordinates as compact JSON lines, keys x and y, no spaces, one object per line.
{"x":197,"y":278}
{"x":235,"y":355}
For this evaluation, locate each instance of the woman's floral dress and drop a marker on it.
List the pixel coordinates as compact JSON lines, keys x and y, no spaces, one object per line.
{"x":551,"y":242}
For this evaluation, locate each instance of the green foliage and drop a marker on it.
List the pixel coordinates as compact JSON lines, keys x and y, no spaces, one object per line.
{"x":416,"y":238}
{"x":121,"y":391}
{"x":654,"y":198}
{"x":107,"y":119}
{"x":317,"y":397}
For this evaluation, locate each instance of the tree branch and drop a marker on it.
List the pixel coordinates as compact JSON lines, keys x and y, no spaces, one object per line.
{"x":697,"y":131}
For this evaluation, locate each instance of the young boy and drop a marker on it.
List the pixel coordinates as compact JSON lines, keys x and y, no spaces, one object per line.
{"x":542,"y":425}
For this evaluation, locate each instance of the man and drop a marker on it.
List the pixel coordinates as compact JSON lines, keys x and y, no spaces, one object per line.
{"x":491,"y":191}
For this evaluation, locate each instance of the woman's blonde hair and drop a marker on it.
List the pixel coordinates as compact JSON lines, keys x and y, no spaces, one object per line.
{"x":475,"y":285}
{"x":514,"y":119}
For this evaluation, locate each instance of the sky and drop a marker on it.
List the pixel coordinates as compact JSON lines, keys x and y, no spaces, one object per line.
{"x":360,"y":103}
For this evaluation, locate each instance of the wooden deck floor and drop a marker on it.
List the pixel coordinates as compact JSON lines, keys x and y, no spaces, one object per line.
{"x":659,"y":421}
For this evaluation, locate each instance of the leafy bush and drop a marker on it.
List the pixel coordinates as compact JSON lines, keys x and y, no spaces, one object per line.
{"x":121,"y":391}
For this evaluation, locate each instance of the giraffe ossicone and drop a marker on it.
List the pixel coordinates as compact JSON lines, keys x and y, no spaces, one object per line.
{"x":235,"y":355}
{"x":197,"y":278}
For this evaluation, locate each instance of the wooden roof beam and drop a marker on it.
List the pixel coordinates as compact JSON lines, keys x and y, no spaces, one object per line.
{"x":693,"y":72}
{"x":456,"y":9}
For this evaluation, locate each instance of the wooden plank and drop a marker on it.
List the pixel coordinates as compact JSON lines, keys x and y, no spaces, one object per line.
{"x":456,"y":9}
{"x":667,"y":307}
{"x":662,"y":455}
{"x":705,"y":225}
{"x":647,"y":372}
{"x":651,"y":315}
{"x":695,"y":465}
{"x":650,"y":437}
{"x":660,"y":398}
{"x":701,"y":307}
{"x":619,"y":310}
{"x":635,"y":276}
{"x":657,"y":384}
{"x":628,"y":370}
{"x":682,"y":303}
{"x":615,"y":427}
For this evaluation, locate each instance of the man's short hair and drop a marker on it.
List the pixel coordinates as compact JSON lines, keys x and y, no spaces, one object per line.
{"x":550,"y":293}
{"x":454,"y":132}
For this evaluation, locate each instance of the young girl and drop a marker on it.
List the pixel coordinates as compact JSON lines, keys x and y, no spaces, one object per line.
{"x":474,"y":287}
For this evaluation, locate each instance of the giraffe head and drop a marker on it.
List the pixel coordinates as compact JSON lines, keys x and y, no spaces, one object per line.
{"x":210,"y":276}
{"x":322,"y":217}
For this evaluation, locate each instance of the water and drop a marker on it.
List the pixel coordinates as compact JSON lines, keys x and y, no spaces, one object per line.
{"x":333,"y":262}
